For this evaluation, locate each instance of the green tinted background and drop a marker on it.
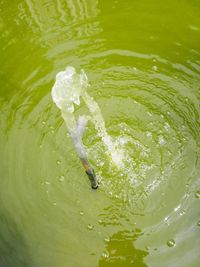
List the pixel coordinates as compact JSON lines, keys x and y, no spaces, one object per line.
{"x":142,"y":59}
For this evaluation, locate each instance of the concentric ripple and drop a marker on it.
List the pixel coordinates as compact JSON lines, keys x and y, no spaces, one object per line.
{"x":142,"y":60}
{"x":154,"y":119}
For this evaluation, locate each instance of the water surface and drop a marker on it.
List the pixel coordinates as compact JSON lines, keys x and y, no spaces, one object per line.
{"x":142,"y":59}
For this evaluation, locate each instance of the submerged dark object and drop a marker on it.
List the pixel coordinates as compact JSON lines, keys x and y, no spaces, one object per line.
{"x":66,"y":92}
{"x":92,"y":177}
{"x":90,"y":173}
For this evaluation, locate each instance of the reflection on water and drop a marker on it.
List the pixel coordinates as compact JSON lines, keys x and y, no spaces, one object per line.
{"x":120,"y":251}
{"x":13,"y":245}
{"x":65,"y":28}
{"x":144,"y":75}
{"x":54,"y":44}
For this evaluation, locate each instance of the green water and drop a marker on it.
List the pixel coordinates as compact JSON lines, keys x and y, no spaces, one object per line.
{"x":142,"y":59}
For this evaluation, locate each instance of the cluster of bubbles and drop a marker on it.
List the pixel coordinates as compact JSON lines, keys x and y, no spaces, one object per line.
{"x":152,"y":119}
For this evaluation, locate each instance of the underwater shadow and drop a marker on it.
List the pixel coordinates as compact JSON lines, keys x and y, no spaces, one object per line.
{"x":121,"y":252}
{"x":14,"y":251}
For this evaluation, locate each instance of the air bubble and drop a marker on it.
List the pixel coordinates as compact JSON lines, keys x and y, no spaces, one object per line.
{"x":105,"y":254}
{"x":171,"y":243}
{"x":161,"y":140}
{"x":177,"y":208}
{"x":197,"y":194}
{"x":61,"y":178}
{"x":90,"y":227}
{"x":182,"y":212}
{"x":107,"y":239}
{"x":155,"y":68}
{"x":149,"y":134}
{"x":167,"y":126}
{"x":166,"y":219}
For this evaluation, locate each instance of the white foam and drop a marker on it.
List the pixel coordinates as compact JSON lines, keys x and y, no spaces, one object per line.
{"x":67,"y":90}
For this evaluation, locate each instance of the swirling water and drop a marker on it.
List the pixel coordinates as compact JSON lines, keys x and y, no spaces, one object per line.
{"x":143,"y":63}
